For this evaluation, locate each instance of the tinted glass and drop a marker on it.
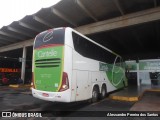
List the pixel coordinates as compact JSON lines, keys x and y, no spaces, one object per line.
{"x":91,"y":50}
{"x":50,"y":37}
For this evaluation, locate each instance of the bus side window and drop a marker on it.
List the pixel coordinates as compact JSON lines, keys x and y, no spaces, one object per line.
{"x":90,"y":50}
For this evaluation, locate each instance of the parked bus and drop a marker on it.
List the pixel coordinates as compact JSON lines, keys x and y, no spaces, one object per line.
{"x":9,"y":76}
{"x":69,"y":67}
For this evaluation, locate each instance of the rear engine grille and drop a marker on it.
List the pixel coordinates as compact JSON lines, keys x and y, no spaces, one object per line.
{"x":45,"y":63}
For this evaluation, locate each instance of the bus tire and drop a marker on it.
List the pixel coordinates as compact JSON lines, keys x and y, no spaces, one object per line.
{"x":103,"y":92}
{"x":124,"y":84}
{"x":95,"y":94}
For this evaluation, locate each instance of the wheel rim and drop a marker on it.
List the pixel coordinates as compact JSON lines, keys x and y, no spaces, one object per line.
{"x":103,"y":92}
{"x":94,"y":94}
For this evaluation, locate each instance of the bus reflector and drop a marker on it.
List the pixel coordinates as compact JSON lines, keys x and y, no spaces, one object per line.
{"x":32,"y":83}
{"x":65,"y":82}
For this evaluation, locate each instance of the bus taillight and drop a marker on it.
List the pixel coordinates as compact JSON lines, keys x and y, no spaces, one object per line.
{"x":65,"y":82}
{"x":32,"y":83}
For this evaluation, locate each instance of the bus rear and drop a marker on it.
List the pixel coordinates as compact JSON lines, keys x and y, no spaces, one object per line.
{"x":50,"y":82}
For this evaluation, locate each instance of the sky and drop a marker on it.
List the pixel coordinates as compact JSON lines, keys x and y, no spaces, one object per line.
{"x":14,"y":10}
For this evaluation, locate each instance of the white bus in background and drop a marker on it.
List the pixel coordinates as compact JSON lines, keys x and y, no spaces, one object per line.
{"x":69,"y":67}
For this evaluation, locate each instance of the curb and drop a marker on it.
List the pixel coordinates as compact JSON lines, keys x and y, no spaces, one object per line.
{"x":123,"y":98}
{"x":20,"y":86}
{"x":152,"y":90}
{"x":148,"y":90}
{"x":132,"y":99}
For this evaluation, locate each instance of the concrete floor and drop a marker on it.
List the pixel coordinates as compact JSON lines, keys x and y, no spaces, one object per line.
{"x":150,"y":101}
{"x":20,"y":99}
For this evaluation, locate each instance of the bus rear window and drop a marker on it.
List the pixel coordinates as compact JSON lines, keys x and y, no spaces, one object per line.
{"x":50,"y":37}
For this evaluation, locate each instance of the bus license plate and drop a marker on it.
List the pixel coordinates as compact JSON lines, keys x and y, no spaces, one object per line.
{"x":45,"y":94}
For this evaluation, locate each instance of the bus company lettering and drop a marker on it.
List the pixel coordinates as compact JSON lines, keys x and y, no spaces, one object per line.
{"x":9,"y":70}
{"x":50,"y":53}
{"x":103,"y":67}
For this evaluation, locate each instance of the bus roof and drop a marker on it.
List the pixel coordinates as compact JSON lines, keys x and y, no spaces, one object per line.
{"x":86,"y":38}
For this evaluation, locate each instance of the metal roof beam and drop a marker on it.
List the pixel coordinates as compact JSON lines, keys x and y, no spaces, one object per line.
{"x":120,"y":22}
{"x":18,"y":31}
{"x":81,"y":5}
{"x":3,"y":42}
{"x":62,"y":16}
{"x":40,"y":20}
{"x":17,"y":45}
{"x":11,"y":36}
{"x":4,"y":38}
{"x":29,"y":27}
{"x":119,"y":6}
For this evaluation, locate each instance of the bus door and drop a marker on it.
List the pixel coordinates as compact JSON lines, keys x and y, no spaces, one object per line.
{"x":118,"y":73}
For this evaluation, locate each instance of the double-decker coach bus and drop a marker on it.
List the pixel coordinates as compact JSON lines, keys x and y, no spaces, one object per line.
{"x":69,"y":67}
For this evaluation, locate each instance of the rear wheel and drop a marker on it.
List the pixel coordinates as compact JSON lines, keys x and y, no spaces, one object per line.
{"x":95,"y":94}
{"x":103,"y":92}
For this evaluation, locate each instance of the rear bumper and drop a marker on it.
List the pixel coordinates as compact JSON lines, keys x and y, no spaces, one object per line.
{"x":52,"y":96}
